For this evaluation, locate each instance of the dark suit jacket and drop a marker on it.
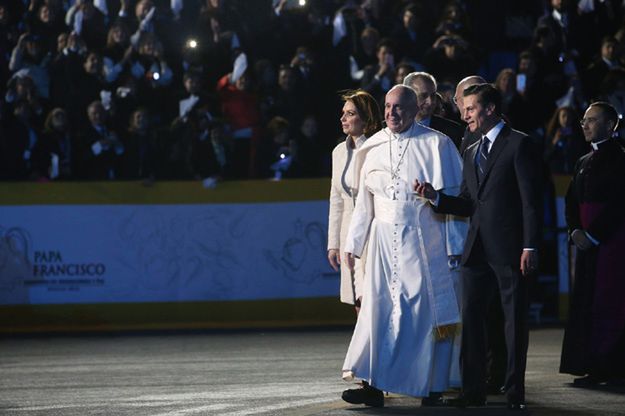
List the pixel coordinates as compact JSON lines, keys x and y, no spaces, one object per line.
{"x":505,"y":207}
{"x":468,"y":139}
{"x":449,"y":128}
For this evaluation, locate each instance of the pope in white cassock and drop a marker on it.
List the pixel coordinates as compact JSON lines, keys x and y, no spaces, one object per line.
{"x":404,"y":337}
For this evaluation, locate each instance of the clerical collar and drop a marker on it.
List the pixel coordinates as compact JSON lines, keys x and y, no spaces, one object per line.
{"x":609,"y":63}
{"x":558,"y":17}
{"x":597,"y":145}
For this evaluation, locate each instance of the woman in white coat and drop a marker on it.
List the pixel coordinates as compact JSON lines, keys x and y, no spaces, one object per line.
{"x":360,"y":119}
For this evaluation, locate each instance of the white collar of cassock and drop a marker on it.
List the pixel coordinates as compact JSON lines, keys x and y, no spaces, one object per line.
{"x":597,"y":145}
{"x":404,"y":134}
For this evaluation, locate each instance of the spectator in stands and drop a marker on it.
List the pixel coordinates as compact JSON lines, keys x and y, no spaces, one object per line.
{"x":277,"y":153}
{"x":287,"y":96}
{"x":308,"y":148}
{"x":535,"y":91}
{"x":613,"y":91}
{"x":450,"y":59}
{"x":379,"y":78}
{"x":29,"y":58}
{"x":46,"y":22}
{"x":100,"y":149}
{"x":595,"y":73}
{"x":117,"y":53}
{"x":266,"y":88}
{"x":308,"y":77}
{"x":365,"y":53}
{"x":21,"y":88}
{"x":88,"y":22}
{"x":513,"y":105}
{"x":564,"y":141}
{"x":141,"y":157}
{"x":402,"y":70}
{"x":65,"y":68}
{"x":153,"y":76}
{"x":84,"y":86}
{"x":413,"y":37}
{"x":239,"y":106}
{"x":18,"y":141}
{"x":54,"y":152}
{"x":454,"y":21}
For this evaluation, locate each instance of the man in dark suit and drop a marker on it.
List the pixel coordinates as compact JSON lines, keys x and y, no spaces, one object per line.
{"x":500,"y":192}
{"x":425,"y":86}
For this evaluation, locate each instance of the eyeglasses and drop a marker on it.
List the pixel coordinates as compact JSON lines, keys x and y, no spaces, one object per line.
{"x":585,"y":121}
{"x":424,"y":96}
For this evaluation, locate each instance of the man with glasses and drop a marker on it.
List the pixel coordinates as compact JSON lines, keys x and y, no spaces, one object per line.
{"x":425,"y":86}
{"x":594,"y":339}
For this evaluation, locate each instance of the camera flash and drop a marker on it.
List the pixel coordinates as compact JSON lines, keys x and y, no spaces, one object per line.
{"x":192,"y":43}
{"x":302,"y":2}
{"x":282,"y":155}
{"x":156,"y":76}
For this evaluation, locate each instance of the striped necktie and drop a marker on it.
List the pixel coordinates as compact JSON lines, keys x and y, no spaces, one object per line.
{"x":482,"y":158}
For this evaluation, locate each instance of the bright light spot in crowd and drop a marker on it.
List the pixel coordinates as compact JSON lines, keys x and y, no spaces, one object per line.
{"x":620,"y":116}
{"x":192,"y":43}
{"x":156,"y":76}
{"x":302,"y":2}
{"x":282,"y":155}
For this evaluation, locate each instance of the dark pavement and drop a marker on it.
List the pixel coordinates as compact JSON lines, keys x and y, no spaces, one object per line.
{"x":235,"y":374}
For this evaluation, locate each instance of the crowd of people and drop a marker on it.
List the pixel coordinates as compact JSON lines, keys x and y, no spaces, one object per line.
{"x":231,"y":89}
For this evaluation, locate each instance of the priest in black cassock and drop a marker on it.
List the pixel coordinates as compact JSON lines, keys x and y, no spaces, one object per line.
{"x":594,"y":340}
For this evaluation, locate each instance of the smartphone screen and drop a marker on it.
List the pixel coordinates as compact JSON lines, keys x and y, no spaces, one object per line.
{"x":520,"y":82}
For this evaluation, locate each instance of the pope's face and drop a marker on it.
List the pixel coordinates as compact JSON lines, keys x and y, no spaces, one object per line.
{"x":399,"y":110}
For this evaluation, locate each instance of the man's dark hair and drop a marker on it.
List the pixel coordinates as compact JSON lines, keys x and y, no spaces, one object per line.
{"x":609,"y":39}
{"x":608,"y":111}
{"x":486,"y":94}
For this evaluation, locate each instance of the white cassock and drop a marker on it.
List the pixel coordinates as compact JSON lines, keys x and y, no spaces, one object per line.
{"x":409,"y":289}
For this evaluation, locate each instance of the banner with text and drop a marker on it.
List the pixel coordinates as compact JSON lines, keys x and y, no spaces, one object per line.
{"x":160,"y":253}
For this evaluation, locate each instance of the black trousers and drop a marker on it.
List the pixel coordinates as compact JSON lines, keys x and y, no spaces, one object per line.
{"x":480,"y":283}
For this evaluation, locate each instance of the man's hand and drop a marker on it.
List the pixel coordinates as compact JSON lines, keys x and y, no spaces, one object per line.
{"x":424,"y":190}
{"x":581,"y":240}
{"x":351,"y":262}
{"x":529,"y":262}
{"x":334,"y":257}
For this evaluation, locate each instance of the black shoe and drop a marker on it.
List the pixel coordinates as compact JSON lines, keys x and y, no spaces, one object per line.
{"x":367,"y":395}
{"x":588,"y":381}
{"x":433,"y":400}
{"x":465,"y":400}
{"x":517,"y":406}
{"x":494,"y":390}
